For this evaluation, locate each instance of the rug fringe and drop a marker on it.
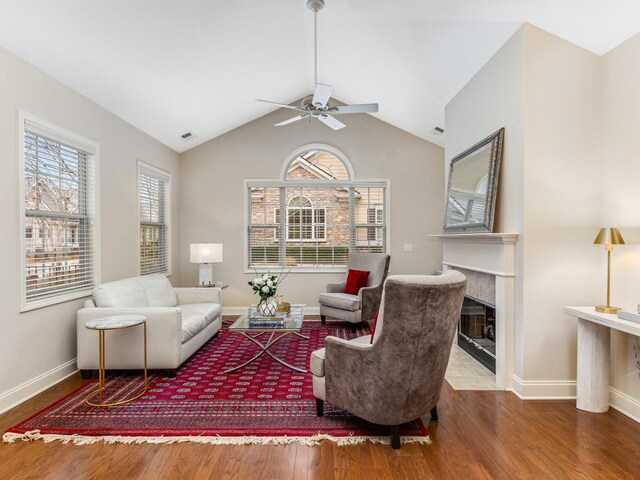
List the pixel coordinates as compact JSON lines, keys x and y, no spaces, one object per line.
{"x":10,"y":437}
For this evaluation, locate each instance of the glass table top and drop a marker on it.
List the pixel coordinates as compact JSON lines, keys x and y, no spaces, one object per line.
{"x":292,"y":322}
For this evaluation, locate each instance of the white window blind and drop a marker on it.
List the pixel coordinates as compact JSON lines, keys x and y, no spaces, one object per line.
{"x":59,"y":213}
{"x":153,"y":191}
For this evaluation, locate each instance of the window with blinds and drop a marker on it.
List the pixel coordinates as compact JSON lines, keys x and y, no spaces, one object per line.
{"x":153,"y":194}
{"x":328,"y":216}
{"x":59,"y":231}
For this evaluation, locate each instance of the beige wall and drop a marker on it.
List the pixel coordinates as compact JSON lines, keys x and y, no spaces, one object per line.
{"x":621,"y":203}
{"x":561,"y":201}
{"x":545,"y":92}
{"x":213,"y":196}
{"x":492,"y":99}
{"x":39,"y":347}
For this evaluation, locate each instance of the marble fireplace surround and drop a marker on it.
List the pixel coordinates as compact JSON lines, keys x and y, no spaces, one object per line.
{"x":488,"y":261}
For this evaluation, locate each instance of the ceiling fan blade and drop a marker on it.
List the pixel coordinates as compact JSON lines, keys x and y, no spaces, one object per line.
{"x":291,"y":120}
{"x":322,"y":95}
{"x":331,"y":122}
{"x":359,"y":108}
{"x":291,"y":107}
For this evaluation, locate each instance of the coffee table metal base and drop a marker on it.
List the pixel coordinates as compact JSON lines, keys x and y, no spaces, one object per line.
{"x":274,"y":337}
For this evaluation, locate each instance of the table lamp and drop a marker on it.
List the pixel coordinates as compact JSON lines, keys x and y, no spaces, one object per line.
{"x":608,"y":237}
{"x":205,"y":254}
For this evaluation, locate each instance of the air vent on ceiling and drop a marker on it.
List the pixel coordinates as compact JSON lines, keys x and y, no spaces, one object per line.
{"x":188,"y":136}
{"x":438,"y":130}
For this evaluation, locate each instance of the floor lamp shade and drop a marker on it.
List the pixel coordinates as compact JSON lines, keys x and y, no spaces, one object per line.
{"x":205,"y":254}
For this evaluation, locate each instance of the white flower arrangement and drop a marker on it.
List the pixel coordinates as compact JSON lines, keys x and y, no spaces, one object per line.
{"x":266,"y":285}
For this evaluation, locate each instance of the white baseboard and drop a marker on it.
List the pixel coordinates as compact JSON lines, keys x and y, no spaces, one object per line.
{"x":625,"y":404}
{"x":543,"y":389}
{"x":36,"y":385}
{"x":240,"y":310}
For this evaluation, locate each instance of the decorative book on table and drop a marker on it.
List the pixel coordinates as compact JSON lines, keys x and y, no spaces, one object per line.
{"x":258,"y":320}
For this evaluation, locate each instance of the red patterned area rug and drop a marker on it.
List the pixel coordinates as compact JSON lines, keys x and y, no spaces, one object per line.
{"x":262,"y":403}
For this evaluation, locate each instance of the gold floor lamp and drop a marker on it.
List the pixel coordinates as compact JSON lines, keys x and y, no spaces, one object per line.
{"x":608,"y":237}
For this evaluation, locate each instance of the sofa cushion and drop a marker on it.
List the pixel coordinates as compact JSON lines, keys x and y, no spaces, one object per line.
{"x":196,"y":316}
{"x":343,"y":301}
{"x":128,"y":292}
{"x":159,"y":291}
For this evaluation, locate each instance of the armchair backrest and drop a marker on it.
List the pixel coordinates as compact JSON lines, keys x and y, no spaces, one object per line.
{"x":410,"y":353}
{"x":377,"y":264}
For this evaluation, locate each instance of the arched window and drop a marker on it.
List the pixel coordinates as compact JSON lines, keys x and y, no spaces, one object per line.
{"x":328,"y":213}
{"x":304,"y":222}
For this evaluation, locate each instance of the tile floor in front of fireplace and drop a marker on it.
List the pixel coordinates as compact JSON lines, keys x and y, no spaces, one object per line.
{"x":465,"y":373}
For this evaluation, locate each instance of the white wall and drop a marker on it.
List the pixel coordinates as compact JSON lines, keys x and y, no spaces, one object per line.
{"x":213,"y":195}
{"x":621,"y":203}
{"x":39,"y":347}
{"x":545,"y":92}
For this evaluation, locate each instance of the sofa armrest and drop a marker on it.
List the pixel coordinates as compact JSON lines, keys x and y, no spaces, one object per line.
{"x":188,"y":295}
{"x":164,"y":336}
{"x":335,"y":287}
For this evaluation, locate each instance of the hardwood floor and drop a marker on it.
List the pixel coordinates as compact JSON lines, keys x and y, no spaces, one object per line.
{"x":484,"y":435}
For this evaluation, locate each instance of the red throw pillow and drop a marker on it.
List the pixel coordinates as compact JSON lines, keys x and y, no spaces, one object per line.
{"x":356,"y":279}
{"x":373,"y":329}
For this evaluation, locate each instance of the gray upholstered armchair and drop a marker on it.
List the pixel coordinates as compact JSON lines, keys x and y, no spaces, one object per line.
{"x":398,"y":378}
{"x":356,"y":308}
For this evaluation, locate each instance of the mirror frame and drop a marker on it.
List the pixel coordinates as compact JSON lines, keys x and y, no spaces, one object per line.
{"x":496,"y":140}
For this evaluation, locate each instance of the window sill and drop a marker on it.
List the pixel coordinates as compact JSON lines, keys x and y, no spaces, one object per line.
{"x":298,"y":269}
{"x":47,"y":302}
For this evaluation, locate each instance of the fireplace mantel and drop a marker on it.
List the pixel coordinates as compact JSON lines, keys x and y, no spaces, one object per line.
{"x":504,"y":238}
{"x":493,"y":254}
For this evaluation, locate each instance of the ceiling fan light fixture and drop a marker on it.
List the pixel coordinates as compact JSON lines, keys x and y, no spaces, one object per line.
{"x":315,"y":5}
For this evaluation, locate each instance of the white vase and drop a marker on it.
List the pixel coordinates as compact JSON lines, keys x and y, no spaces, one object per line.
{"x":267,"y":307}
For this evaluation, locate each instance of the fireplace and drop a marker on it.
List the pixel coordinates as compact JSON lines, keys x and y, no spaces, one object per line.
{"x":477,"y":331}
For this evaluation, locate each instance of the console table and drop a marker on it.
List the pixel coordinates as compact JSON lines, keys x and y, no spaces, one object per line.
{"x":594,"y":332}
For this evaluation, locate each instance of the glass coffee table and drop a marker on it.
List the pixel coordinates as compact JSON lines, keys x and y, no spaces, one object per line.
{"x":272,"y":333}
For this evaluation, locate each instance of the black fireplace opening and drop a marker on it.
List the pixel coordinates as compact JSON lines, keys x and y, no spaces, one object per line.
{"x":477,"y":331}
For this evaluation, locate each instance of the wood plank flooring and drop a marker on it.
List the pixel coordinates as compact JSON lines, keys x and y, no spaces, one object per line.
{"x":480,"y":435}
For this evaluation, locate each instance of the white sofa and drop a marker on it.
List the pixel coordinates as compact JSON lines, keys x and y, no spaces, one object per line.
{"x":179,"y":322}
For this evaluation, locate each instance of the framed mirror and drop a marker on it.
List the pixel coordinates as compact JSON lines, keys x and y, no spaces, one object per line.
{"x":473,"y":185}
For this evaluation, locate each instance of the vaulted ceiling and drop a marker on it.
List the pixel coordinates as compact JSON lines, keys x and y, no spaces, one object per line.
{"x":170,"y":66}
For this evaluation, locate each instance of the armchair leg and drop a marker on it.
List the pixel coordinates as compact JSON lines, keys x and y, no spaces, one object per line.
{"x":395,"y":437}
{"x":86,"y":374}
{"x":434,"y":413}
{"x":171,"y":372}
{"x":323,"y":319}
{"x":319,"y":407}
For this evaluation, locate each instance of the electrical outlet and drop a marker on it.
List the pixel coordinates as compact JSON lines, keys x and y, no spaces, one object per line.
{"x":408,"y":247}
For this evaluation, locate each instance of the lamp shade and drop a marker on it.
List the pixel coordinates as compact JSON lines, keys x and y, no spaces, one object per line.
{"x":206,"y":253}
{"x":609,"y":236}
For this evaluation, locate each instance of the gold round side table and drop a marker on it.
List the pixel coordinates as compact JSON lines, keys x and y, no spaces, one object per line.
{"x":115,"y":322}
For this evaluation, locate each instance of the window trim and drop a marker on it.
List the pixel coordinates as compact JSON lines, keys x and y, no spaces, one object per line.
{"x":92,"y":148}
{"x":283,"y":182}
{"x":164,"y":175}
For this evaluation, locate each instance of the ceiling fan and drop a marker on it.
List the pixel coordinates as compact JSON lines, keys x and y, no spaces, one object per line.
{"x":318,"y":106}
